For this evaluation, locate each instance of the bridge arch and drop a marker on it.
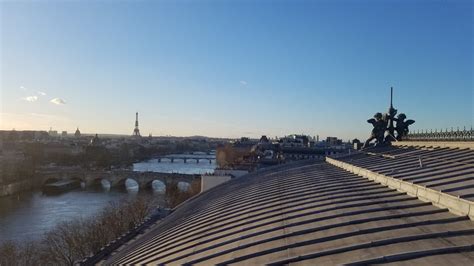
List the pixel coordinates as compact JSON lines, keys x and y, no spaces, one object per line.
{"x":184,"y":186}
{"x":128,"y":183}
{"x":157,"y":186}
{"x":185,"y":159}
{"x":101,"y":182}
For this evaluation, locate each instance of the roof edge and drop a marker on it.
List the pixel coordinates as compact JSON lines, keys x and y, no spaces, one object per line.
{"x":455,"y":205}
{"x":440,"y":144}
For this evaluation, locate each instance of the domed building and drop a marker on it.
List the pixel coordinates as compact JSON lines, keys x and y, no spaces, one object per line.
{"x":77,"y":134}
{"x":95,"y":141}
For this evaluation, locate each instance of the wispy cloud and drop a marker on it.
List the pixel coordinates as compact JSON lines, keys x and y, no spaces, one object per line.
{"x":39,"y":92}
{"x":243,"y":82}
{"x":58,"y":101}
{"x":33,"y":98}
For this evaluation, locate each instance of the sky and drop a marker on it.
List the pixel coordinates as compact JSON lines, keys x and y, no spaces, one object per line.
{"x":234,"y":68}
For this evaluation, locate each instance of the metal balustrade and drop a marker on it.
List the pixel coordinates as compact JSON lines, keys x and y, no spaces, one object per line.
{"x":442,"y":135}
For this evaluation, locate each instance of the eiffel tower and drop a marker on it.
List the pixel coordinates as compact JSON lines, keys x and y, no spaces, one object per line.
{"x":136,"y":131}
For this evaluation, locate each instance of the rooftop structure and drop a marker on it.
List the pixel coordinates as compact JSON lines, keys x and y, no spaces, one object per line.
{"x":326,"y":213}
{"x":52,"y":133}
{"x":95,"y":141}
{"x":383,"y":126}
{"x":460,"y":135}
{"x":294,"y":141}
{"x":77,"y":134}
{"x":136,"y":131}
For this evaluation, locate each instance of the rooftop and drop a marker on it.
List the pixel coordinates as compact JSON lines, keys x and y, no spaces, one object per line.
{"x":318,"y":213}
{"x":448,"y":170}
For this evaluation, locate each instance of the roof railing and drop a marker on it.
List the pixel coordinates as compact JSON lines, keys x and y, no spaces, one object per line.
{"x":442,"y":135}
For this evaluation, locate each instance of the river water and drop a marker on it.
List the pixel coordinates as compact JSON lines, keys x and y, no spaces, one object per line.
{"x":178,"y":165}
{"x":29,"y":215}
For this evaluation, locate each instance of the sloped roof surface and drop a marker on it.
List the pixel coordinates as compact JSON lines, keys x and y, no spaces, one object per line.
{"x":304,"y":213}
{"x":444,"y":169}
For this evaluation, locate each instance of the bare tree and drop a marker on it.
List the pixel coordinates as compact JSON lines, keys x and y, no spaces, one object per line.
{"x":9,"y":253}
{"x":174,"y":196}
{"x":65,"y":244}
{"x":73,"y":240}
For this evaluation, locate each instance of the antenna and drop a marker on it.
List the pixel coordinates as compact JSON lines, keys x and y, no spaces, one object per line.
{"x":391,"y":112}
{"x":391,"y":97}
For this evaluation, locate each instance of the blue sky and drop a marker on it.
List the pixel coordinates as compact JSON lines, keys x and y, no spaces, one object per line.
{"x":234,"y":68}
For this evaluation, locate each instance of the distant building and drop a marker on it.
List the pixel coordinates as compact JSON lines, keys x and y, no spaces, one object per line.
{"x":40,"y":135}
{"x":333,"y":141}
{"x":77,"y":134}
{"x":95,"y":141}
{"x":356,"y":144}
{"x":64,"y":134}
{"x":264,"y":139}
{"x":294,"y":141}
{"x":52,"y":133}
{"x":236,"y":155}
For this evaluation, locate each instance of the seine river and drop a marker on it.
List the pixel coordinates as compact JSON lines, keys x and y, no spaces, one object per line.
{"x":29,"y":215}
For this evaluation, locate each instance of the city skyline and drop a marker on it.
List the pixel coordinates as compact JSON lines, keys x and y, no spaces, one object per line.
{"x":234,"y":69}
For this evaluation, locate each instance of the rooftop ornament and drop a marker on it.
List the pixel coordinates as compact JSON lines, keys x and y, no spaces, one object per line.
{"x":384,"y":129}
{"x":459,"y":134}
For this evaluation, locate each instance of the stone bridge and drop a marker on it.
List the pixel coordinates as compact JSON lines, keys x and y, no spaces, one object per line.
{"x":115,"y":177}
{"x":186,"y":158}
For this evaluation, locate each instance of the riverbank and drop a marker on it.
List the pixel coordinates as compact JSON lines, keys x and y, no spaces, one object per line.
{"x":89,"y":234}
{"x":124,"y":217}
{"x":16,"y":187}
{"x":28,"y":215}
